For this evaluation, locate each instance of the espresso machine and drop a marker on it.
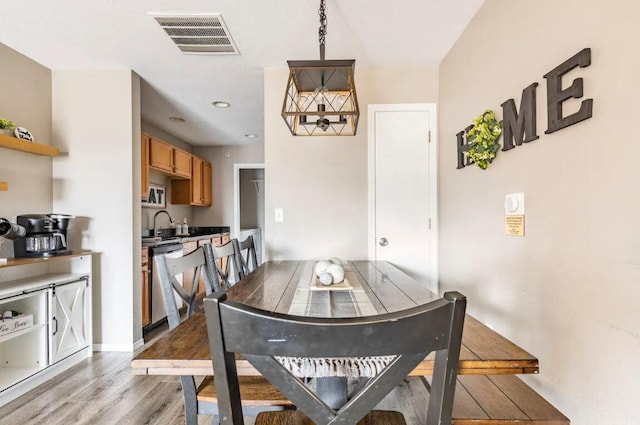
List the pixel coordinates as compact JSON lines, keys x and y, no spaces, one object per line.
{"x":45,"y":235}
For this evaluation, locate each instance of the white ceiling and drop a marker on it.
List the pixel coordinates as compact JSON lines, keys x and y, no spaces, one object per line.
{"x":109,"y":34}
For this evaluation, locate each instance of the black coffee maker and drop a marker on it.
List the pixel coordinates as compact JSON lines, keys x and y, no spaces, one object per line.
{"x":46,"y":235}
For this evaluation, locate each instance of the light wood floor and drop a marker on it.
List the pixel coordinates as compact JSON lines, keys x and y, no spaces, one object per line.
{"x":102,"y":391}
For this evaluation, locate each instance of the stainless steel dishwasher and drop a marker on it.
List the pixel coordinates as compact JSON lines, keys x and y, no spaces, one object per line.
{"x":168,"y":248}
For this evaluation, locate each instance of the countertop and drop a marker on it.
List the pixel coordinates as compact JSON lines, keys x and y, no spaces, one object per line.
{"x":195,"y":233}
{"x":11,"y":262}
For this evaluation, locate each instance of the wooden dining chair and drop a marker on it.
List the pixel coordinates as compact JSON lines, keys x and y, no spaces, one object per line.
{"x":408,"y":335}
{"x":257,"y":393}
{"x":246,"y":263}
{"x":224,"y":264}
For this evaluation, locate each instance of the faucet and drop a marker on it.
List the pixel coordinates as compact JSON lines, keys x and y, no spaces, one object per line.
{"x":155,"y":229}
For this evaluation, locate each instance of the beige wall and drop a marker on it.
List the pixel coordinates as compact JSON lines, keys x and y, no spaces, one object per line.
{"x":321,"y":182}
{"x":96,"y":182}
{"x":26,"y":100}
{"x":221,"y":211}
{"x":568,"y":291}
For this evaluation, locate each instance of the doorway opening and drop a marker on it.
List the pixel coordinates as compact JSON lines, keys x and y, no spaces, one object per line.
{"x":248,"y":204}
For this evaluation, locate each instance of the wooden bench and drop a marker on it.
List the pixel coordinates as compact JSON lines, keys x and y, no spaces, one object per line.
{"x":500,"y":400}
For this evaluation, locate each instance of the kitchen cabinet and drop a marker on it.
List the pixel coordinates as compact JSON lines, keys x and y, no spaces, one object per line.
{"x":57,"y":296}
{"x":24,"y":352}
{"x":168,"y":159}
{"x":68,"y":309}
{"x":197,"y":190}
{"x":206,"y":183}
{"x":144,"y":166}
{"x":146,"y":311}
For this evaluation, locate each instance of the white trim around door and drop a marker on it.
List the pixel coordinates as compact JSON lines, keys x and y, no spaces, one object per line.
{"x":235,"y":230}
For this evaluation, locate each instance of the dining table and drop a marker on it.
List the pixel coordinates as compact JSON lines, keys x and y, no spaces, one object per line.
{"x":370,"y":288}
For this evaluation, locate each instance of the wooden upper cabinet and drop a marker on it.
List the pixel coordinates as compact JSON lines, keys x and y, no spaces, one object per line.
{"x":144,"y":166}
{"x":168,"y":159}
{"x":196,"y":180}
{"x":206,"y":183}
{"x":197,"y":190}
{"x":160,"y":155}
{"x":181,"y":163}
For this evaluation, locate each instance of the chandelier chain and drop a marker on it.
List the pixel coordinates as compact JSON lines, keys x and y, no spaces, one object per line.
{"x":322,"y":31}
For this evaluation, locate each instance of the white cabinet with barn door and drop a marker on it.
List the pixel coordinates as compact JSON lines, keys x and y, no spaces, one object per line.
{"x":23,"y":340}
{"x":69,"y":318}
{"x":52,"y":328}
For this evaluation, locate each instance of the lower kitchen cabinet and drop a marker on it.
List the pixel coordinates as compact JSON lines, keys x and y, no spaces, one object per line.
{"x":52,"y":329}
{"x":68,"y":308}
{"x":24,"y":352}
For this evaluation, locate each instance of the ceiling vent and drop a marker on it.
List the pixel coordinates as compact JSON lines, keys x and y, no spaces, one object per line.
{"x":199,"y":34}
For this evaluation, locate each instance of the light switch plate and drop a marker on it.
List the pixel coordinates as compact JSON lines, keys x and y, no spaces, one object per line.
{"x":514,"y":204}
{"x":279,"y":215}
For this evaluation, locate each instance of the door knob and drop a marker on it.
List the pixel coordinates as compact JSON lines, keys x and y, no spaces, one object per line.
{"x":383,"y":242}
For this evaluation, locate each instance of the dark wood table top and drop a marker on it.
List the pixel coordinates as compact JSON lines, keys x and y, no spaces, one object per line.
{"x":285,"y":287}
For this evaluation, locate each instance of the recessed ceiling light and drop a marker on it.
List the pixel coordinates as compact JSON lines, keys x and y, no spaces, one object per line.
{"x":177,"y":119}
{"x":251,"y":135}
{"x":220,"y":104}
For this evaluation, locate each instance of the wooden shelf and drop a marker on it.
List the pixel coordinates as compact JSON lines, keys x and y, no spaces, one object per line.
{"x":12,"y":262}
{"x":4,"y":186}
{"x":29,"y":147}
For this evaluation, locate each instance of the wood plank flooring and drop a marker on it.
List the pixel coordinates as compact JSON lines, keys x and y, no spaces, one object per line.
{"x":102,"y":391}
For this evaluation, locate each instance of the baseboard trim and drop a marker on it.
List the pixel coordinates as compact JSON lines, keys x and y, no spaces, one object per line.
{"x":139,"y":343}
{"x":125,"y":348}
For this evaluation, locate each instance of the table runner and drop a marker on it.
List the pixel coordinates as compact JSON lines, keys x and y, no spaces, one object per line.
{"x":351,"y":303}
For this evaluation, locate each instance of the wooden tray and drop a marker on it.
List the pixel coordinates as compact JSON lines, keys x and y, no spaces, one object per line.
{"x":345,"y":285}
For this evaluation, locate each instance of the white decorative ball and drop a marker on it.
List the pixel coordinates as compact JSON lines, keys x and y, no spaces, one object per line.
{"x":321,"y":266}
{"x":337,"y":272}
{"x":325,"y":278}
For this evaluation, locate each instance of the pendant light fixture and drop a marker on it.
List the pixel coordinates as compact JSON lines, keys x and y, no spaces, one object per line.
{"x":321,"y":94}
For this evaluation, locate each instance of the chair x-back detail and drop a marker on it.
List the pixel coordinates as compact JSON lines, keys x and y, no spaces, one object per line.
{"x":225,"y":265}
{"x":202,"y":399}
{"x":261,"y":336}
{"x":245,"y":264}
{"x":169,"y":269}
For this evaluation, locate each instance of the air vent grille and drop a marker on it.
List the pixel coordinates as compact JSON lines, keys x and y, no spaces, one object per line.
{"x":200,"y":34}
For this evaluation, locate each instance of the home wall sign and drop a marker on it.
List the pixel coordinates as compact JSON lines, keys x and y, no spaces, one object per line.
{"x":519,"y":126}
{"x":157,"y":196}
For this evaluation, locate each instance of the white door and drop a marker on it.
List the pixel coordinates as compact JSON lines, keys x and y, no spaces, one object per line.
{"x":402,"y":189}
{"x":68,"y":322}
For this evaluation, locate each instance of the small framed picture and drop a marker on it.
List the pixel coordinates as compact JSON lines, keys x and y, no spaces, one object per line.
{"x":157,"y":196}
